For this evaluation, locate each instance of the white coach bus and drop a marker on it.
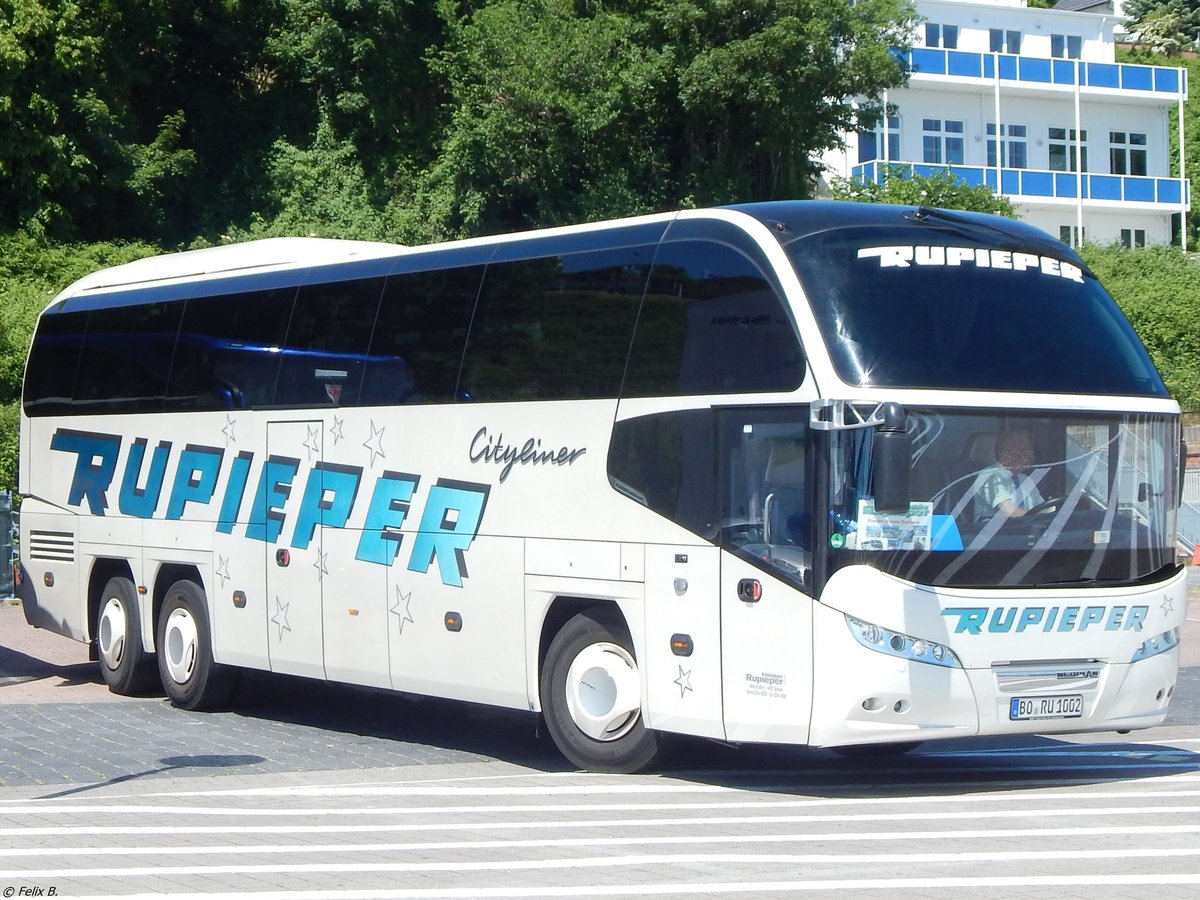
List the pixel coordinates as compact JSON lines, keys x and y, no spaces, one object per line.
{"x":809,"y":473}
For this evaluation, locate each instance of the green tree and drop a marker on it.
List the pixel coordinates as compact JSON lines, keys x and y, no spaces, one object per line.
{"x":547,"y":118}
{"x":1164,"y":26}
{"x":562,"y":110}
{"x":941,"y":189}
{"x":127,"y":119}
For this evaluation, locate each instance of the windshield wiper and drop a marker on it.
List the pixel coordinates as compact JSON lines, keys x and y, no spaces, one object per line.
{"x":1021,"y":242}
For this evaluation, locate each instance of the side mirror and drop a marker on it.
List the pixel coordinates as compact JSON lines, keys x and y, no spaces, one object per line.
{"x":891,"y":461}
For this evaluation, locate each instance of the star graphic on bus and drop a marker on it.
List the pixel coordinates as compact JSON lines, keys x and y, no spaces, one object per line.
{"x":684,"y":681}
{"x":335,"y":430}
{"x":230,"y":430}
{"x":280,"y":617}
{"x":1168,"y":606}
{"x":375,"y":443}
{"x":402,"y":614}
{"x":312,"y":443}
{"x":321,"y":566}
{"x":222,"y":571}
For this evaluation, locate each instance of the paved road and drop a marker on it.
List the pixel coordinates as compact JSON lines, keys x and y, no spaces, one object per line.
{"x":1052,"y":819}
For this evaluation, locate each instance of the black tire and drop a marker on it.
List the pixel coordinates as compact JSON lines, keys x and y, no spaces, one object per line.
{"x":599,"y":643}
{"x":125,"y":665}
{"x":185,"y":662}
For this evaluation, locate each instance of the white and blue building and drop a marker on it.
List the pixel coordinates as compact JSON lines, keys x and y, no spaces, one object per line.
{"x":1033,"y":103}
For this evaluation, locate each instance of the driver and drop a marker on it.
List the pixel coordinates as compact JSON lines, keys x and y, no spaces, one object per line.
{"x":1005,"y":486}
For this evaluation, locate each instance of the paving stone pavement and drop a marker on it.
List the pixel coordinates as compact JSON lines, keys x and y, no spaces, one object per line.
{"x":59,"y":724}
{"x":274,"y":724}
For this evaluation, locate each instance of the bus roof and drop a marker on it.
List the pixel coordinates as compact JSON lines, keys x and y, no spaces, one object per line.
{"x":244,"y":258}
{"x":787,"y":220}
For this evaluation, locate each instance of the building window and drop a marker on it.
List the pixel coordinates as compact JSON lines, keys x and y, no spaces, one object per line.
{"x":869,"y":142}
{"x":942,"y":141}
{"x":1066,"y":46}
{"x":1004,"y":41}
{"x":1068,"y":234}
{"x":945,"y":36}
{"x":1135,"y":237}
{"x":1013,"y":151}
{"x":1062,"y":150}
{"x":1127,"y":155}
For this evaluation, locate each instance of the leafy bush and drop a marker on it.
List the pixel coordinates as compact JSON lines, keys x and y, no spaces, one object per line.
{"x":1159,"y":290}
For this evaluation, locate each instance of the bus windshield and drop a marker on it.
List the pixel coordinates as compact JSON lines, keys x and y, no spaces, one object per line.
{"x":1013,"y":498}
{"x":967,"y":308}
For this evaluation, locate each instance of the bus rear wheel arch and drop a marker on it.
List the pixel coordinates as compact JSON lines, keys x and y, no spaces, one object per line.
{"x":190,"y":676}
{"x":126,"y":667}
{"x":591,"y":696}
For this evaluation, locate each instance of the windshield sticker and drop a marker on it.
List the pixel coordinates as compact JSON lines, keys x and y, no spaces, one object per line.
{"x":902,"y":531}
{"x":902,"y":257}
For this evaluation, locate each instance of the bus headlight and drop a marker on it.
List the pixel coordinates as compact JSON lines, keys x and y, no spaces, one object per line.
{"x":1156,"y":644}
{"x":904,"y":646}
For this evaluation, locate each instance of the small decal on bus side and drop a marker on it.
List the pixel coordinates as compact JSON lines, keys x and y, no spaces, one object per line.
{"x":904,"y":256}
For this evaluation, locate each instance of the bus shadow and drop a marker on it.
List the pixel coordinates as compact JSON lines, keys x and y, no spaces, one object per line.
{"x":937,"y":768}
{"x":402,"y":720}
{"x":941,"y":767}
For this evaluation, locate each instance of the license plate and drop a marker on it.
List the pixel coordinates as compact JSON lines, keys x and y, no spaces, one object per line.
{"x":1059,"y":706}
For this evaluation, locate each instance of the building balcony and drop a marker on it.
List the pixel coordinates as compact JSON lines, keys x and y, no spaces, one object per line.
{"x":1043,"y":186}
{"x":1038,"y":74}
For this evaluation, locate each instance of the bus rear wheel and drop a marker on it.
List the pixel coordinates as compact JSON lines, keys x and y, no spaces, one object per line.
{"x":592,"y":697}
{"x":125,"y":666}
{"x":190,"y":677}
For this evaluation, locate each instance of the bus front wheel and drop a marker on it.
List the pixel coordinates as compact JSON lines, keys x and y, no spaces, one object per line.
{"x":592,"y":697}
{"x":126,"y":667}
{"x":190,"y":677}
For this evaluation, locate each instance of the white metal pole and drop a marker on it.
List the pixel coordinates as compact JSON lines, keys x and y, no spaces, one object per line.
{"x":1183,"y":198}
{"x":999,"y":128}
{"x":1078,"y":166}
{"x":887,"y":160}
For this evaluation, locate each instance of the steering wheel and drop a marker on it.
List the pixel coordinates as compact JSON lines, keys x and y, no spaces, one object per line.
{"x":1052,"y":503}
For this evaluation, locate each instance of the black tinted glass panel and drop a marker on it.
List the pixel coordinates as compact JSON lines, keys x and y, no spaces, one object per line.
{"x":227,"y":355}
{"x":967,"y":309}
{"x":667,"y":462}
{"x":555,"y":328}
{"x":126,"y":358}
{"x":711,"y":324}
{"x":53,"y":360}
{"x":420,"y":332}
{"x":325,"y":354}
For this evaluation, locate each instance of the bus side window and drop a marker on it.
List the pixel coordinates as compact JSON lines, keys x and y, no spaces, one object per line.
{"x":666,"y":462}
{"x":555,"y":327}
{"x":53,"y":360}
{"x":417,"y":344}
{"x":711,"y":323}
{"x":126,"y":358}
{"x":225,"y":349}
{"x":327,"y":342}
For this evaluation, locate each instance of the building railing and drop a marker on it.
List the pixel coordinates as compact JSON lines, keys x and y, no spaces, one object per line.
{"x":1035,"y":183}
{"x":1162,"y":81}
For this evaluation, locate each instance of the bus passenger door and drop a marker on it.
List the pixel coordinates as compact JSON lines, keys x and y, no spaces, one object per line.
{"x":682,"y":645}
{"x":766,"y":615}
{"x":294,"y":628}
